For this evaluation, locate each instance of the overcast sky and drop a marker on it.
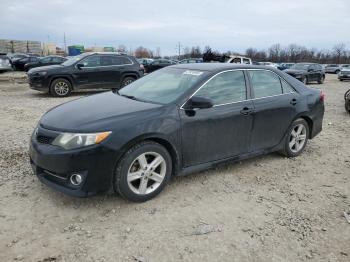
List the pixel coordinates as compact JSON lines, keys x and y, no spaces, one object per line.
{"x":222,"y":24}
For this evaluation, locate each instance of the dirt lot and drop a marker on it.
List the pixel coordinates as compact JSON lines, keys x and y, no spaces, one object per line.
{"x":268,"y":208}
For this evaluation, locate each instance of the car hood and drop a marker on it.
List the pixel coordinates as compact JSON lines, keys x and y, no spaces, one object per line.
{"x":44,"y":68}
{"x":294,"y":71}
{"x":101,"y":112}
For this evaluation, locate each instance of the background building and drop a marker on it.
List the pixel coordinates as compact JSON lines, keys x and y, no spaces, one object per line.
{"x":20,"y":46}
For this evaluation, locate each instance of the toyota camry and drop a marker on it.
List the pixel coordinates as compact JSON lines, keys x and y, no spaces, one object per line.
{"x":175,"y":121}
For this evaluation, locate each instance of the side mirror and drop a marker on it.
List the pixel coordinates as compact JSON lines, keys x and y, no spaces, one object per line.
{"x":310,"y":70}
{"x":79,"y":66}
{"x":198,"y":102}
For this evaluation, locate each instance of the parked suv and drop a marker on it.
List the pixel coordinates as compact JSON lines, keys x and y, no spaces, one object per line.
{"x":307,"y":72}
{"x":88,"y":70}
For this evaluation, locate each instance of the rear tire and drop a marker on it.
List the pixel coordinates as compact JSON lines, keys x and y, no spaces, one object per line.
{"x":126,"y":81}
{"x":296,"y":138}
{"x":305,"y":80}
{"x":60,"y":87}
{"x":142,"y":172}
{"x":347,"y":95}
{"x":337,"y":71}
{"x":347,"y":105}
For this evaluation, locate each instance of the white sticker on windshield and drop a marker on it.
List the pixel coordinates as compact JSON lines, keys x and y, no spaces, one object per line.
{"x":194,"y":73}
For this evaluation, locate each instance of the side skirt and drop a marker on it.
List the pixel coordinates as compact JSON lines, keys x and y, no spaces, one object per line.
{"x":201,"y":167}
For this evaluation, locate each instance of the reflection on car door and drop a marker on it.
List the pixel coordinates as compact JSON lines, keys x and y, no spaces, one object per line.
{"x":221,"y":131}
{"x":274,"y":103}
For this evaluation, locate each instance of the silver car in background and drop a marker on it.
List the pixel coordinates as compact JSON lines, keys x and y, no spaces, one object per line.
{"x":334,"y":68}
{"x":5,"y":64}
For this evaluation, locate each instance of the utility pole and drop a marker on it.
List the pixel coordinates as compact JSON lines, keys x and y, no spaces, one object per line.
{"x":179,"y":49}
{"x":65,"y":44}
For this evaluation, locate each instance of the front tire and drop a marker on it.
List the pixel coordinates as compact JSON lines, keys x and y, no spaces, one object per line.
{"x":296,"y":138}
{"x":143,"y":172}
{"x":60,"y":87}
{"x":321,"y":79}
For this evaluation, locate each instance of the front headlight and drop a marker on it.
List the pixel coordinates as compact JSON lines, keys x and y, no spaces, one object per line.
{"x":74,"y":140}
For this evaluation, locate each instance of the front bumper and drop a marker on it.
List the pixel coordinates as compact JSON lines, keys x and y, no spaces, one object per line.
{"x":39,"y":83}
{"x":343,"y":77}
{"x":54,"y":165}
{"x":299,"y":77}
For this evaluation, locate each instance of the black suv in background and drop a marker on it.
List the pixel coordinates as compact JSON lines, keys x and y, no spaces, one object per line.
{"x":88,"y":70}
{"x":307,"y":72}
{"x":158,"y":64}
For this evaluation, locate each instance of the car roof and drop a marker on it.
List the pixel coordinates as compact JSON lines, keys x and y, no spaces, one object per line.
{"x":218,"y":66}
{"x":104,"y":53}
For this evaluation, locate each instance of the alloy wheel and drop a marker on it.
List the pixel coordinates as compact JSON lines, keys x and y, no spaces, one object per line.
{"x":61,"y":88}
{"x":127,"y":82}
{"x":146,"y":173}
{"x":297,"y":138}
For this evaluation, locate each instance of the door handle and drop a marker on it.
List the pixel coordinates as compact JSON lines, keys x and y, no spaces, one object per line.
{"x":293,"y":101}
{"x":246,"y":111}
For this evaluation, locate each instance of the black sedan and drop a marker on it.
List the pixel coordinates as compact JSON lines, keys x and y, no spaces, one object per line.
{"x":307,"y":72}
{"x":19,"y":64}
{"x":45,"y":61}
{"x":175,"y":121}
{"x":158,"y":64}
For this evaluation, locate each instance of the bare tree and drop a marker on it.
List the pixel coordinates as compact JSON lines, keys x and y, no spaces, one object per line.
{"x":339,"y":51}
{"x":142,"y":52}
{"x":158,"y":53}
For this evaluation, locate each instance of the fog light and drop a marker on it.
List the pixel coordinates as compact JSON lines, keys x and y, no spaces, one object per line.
{"x":76,"y":179}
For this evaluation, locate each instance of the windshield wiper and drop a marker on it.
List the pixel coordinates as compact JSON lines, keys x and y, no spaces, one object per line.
{"x":127,"y":96}
{"x":130,"y":97}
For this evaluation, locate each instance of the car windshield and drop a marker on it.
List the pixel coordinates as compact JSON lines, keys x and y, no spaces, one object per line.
{"x":72,"y":60}
{"x":300,"y":66}
{"x":163,"y":86}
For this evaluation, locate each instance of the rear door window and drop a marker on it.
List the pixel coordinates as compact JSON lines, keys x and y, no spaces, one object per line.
{"x":265,"y":83}
{"x":246,"y":61}
{"x":46,"y":60}
{"x":57,"y":60}
{"x":115,"y":60}
{"x":236,"y":60}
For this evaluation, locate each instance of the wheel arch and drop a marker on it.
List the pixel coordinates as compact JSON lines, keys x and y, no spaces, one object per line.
{"x":170,"y":147}
{"x":309,"y":122}
{"x":129,"y":74}
{"x":69,"y":79}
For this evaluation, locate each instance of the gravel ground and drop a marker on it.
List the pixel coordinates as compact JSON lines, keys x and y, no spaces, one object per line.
{"x":268,"y":208}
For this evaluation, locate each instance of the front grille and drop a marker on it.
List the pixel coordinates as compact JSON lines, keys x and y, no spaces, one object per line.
{"x":44,"y":139}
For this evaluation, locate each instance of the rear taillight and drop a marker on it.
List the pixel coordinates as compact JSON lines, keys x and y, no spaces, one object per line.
{"x":322,"y":96}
